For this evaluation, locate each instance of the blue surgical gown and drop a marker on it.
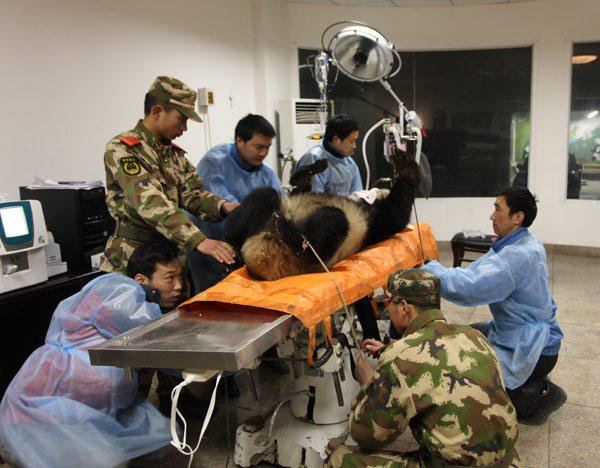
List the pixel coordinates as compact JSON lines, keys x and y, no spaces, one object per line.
{"x":224,"y":175}
{"x":514,"y":282}
{"x":341,"y":177}
{"x":60,"y":411}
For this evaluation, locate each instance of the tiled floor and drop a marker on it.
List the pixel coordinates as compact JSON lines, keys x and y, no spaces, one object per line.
{"x":569,"y":439}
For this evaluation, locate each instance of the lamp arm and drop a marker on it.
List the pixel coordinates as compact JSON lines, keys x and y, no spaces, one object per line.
{"x":387,"y":86}
{"x":401,"y":106}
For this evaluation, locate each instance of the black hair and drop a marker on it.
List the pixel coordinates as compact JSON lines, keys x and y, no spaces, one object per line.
{"x":341,"y":126}
{"x":150,"y":101}
{"x":146,"y":256}
{"x":252,"y":124}
{"x":520,"y":199}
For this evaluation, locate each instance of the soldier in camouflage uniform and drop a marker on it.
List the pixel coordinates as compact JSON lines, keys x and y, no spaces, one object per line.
{"x":150,"y":182}
{"x":442,"y":380}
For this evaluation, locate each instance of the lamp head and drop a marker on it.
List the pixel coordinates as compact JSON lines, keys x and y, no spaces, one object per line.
{"x":363,"y":54}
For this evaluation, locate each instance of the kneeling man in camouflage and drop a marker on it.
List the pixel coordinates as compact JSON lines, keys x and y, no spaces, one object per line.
{"x":442,"y":380}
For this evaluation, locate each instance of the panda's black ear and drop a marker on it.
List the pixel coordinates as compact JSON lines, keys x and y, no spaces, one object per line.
{"x":301,"y":179}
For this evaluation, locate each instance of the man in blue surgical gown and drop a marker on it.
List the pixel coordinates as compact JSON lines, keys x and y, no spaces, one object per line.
{"x":342,"y":176}
{"x":60,"y":411}
{"x":513,"y":279}
{"x":234,"y":169}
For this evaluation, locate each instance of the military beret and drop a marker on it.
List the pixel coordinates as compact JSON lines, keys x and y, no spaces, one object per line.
{"x":177,"y":94}
{"x":415,"y":286}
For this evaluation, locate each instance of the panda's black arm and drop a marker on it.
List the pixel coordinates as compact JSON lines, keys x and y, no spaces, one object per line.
{"x":325,"y":229}
{"x":251,"y":216}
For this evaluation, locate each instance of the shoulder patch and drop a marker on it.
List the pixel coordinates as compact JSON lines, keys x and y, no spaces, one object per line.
{"x":178,"y":147}
{"x":130,"y":165}
{"x":130,"y":140}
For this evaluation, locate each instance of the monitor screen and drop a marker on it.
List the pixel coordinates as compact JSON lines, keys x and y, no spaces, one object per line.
{"x":13,"y":221}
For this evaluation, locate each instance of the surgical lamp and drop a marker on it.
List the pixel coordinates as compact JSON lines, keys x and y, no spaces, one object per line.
{"x":362,"y":53}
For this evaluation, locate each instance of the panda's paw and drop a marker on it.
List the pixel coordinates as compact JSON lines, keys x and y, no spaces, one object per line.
{"x":225,"y":269}
{"x":405,"y":167}
{"x":301,"y":180}
{"x":318,"y":166}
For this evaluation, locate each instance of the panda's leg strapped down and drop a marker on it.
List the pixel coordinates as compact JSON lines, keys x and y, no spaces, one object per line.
{"x":392,"y":214}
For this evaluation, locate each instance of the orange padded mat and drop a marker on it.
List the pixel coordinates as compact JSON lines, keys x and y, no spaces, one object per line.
{"x":314,"y":297}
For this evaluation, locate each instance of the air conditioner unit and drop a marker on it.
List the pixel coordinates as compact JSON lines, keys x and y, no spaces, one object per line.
{"x":298,"y":121}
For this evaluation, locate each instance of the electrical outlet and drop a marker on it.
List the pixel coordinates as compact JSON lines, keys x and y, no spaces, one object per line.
{"x":206,"y":97}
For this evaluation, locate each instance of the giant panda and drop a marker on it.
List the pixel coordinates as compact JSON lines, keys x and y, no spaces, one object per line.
{"x":271,"y":231}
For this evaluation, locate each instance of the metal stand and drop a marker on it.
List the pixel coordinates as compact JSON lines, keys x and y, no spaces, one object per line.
{"x":296,"y":432}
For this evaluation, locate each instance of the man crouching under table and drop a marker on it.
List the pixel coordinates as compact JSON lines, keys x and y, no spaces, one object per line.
{"x":442,"y":380}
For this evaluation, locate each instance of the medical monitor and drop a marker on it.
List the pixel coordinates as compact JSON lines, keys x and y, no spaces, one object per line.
{"x":16,"y":225}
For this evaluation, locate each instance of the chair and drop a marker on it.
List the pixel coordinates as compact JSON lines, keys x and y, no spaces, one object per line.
{"x":461,"y":244}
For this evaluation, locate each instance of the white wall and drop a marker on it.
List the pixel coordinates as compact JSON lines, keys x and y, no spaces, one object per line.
{"x":548,"y":25}
{"x":75,"y":73}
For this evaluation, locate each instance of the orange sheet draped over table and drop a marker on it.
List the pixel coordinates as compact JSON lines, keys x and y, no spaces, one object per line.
{"x":314,"y":297}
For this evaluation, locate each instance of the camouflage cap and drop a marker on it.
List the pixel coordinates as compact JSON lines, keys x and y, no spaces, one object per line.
{"x":415,"y":286}
{"x":177,"y":94}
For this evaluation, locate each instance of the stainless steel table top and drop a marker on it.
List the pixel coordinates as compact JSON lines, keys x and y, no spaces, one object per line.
{"x":212,"y":336}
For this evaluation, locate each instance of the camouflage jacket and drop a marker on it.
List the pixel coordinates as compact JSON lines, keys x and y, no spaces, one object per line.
{"x":148,"y":187}
{"x":444,"y":381}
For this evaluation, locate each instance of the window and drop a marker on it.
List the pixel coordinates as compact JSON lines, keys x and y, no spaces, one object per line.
{"x":475,"y":107}
{"x":584,"y":129}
